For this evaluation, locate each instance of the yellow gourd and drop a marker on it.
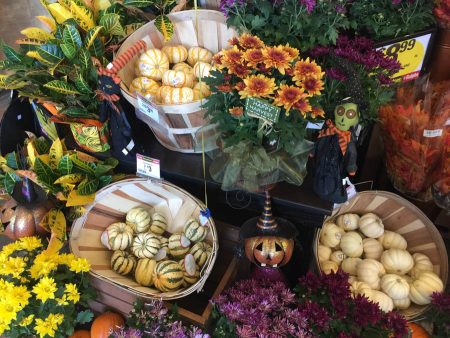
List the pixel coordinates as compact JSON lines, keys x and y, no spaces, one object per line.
{"x":372,"y":248}
{"x":153,"y":63}
{"x":203,"y":88}
{"x":331,"y":235}
{"x":329,"y":266}
{"x":359,"y":288}
{"x":350,"y":265}
{"x":348,"y":221}
{"x":184,"y":67}
{"x":397,"y":261}
{"x":421,"y":263}
{"x":175,"y":54}
{"x":384,"y":301}
{"x":323,"y":253}
{"x":371,"y":225}
{"x":162,"y":92}
{"x":144,"y":86}
{"x":370,"y":271}
{"x":196,"y":54}
{"x":423,"y":287}
{"x":202,"y":69}
{"x":392,"y":239}
{"x":395,"y":286}
{"x":177,"y":79}
{"x":352,"y":244}
{"x":337,"y":257}
{"x":402,"y":304}
{"x":178,"y":95}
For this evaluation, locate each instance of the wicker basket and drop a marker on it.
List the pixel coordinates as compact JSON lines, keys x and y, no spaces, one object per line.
{"x":403,"y":217}
{"x":179,"y":123}
{"x":111,"y":204}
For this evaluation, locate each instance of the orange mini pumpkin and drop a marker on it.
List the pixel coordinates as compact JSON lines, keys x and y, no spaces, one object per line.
{"x":81,"y":334}
{"x":106,"y":322}
{"x":417,"y":331}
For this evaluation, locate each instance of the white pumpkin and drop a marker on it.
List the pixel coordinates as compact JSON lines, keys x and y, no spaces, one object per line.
{"x":138,"y":219}
{"x":395,"y":286}
{"x":392,"y":239}
{"x":196,"y":54}
{"x":184,"y":67}
{"x":397,"y":261}
{"x":372,"y":248}
{"x":370,"y":271}
{"x":402,"y":304}
{"x":202,"y":69}
{"x":201,"y":90}
{"x":350,"y":265}
{"x":175,"y":54}
{"x":153,"y":63}
{"x":384,"y":301}
{"x":421,"y":263}
{"x":323,"y":253}
{"x":337,"y":257}
{"x":328,"y":266}
{"x":177,"y":79}
{"x":352,"y":244}
{"x":331,"y":235}
{"x":371,"y":225}
{"x":352,"y":279}
{"x":423,"y":287}
{"x":359,"y":288}
{"x":348,"y":221}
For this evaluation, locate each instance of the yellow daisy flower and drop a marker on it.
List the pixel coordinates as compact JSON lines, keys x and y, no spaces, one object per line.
{"x":317,"y":112}
{"x":48,"y":326}
{"x":62,"y":301}
{"x":20,"y":294}
{"x":312,"y":85}
{"x":253,"y":57}
{"x":14,"y":266}
{"x":306,"y":68}
{"x":30,"y":243}
{"x":8,"y":312}
{"x":293,"y":52}
{"x":45,"y":289}
{"x":5,"y":287}
{"x":66,"y":259}
{"x":258,"y":86}
{"x":232,"y":56}
{"x":80,"y":265}
{"x":8,"y":249}
{"x":72,"y":293}
{"x":44,"y":263}
{"x":277,"y":57}
{"x":248,"y":41}
{"x":3,"y":327}
{"x":27,"y":320}
{"x":287,"y":96}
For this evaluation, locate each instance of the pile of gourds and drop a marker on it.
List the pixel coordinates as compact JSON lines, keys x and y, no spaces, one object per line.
{"x":180,"y":83}
{"x":378,"y":262}
{"x":144,"y":248}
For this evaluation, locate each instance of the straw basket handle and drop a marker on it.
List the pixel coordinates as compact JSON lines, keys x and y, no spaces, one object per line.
{"x":124,"y":58}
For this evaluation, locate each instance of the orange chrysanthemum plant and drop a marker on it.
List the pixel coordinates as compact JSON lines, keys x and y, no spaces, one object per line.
{"x":284,"y":84}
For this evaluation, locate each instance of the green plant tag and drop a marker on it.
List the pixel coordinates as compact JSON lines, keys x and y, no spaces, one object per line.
{"x":262,"y":109}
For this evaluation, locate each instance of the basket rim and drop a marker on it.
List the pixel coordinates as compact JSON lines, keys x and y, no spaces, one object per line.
{"x":79,"y":223}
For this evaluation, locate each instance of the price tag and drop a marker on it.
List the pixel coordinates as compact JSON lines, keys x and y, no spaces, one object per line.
{"x":147,"y":166}
{"x":148,"y":108}
{"x":315,"y":125}
{"x":432,"y":133}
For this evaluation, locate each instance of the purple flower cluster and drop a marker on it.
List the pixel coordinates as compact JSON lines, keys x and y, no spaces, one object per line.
{"x":441,"y":301}
{"x":226,"y":5}
{"x":309,"y":4}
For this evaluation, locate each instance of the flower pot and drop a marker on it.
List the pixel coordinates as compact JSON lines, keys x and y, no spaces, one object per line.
{"x":440,"y":64}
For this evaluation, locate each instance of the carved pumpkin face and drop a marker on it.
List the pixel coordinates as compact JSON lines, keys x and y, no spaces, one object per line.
{"x":269,"y":251}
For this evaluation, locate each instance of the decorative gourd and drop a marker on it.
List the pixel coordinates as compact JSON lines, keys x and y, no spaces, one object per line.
{"x":372,"y":248}
{"x":203,"y":88}
{"x":122,"y":262}
{"x":117,"y":236}
{"x":350,"y":265}
{"x":421,"y":263}
{"x":352,"y":244}
{"x":371,"y":225}
{"x":158,"y":224}
{"x":348,"y":221}
{"x":422,"y":288}
{"x":202,"y":69}
{"x":145,"y":86}
{"x":178,"y":96}
{"x":359,"y":288}
{"x":370,"y":271}
{"x":417,"y":331}
{"x":329,"y":266}
{"x":331,"y":235}
{"x":145,"y":245}
{"x":397,"y":261}
{"x":352,"y":279}
{"x":177,"y":79}
{"x":138,"y":219}
{"x":178,"y":245}
{"x":196,"y":54}
{"x":105,"y":324}
{"x":201,"y":251}
{"x":194,"y":231}
{"x":175,"y":54}
{"x":402,"y":304}
{"x":394,"y":286}
{"x":168,"y":276}
{"x":163,"y":241}
{"x":337,"y":257}
{"x":144,"y":273}
{"x":384,"y":301}
{"x":184,"y":67}
{"x":392,"y":239}
{"x":323,"y":253}
{"x":191,"y":273}
{"x":153,"y":63}
{"x":162,"y":92}
{"x":81,"y":334}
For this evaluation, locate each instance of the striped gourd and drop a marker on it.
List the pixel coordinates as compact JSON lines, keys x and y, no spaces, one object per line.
{"x":203,"y":88}
{"x":144,"y":86}
{"x":191,"y":273}
{"x":162,"y":92}
{"x":194,"y":231}
{"x":177,"y":79}
{"x":153,"y":63}
{"x":158,"y":224}
{"x":184,"y":67}
{"x":196,"y":54}
{"x":201,"y":252}
{"x":144,"y":273}
{"x":202,"y":69}
{"x":145,"y":245}
{"x":138,"y":219}
{"x":175,"y":54}
{"x":163,"y":241}
{"x":178,"y":245}
{"x":122,"y":262}
{"x":178,"y":96}
{"x":168,"y":276}
{"x":117,"y":236}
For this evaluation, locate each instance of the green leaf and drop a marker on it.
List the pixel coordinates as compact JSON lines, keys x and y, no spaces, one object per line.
{"x":65,"y":165}
{"x":50,"y":53}
{"x":78,"y":112}
{"x":61,"y":87}
{"x":91,"y":35}
{"x":41,"y":145}
{"x":12,"y":161}
{"x":103,"y":169}
{"x":164,"y":26}
{"x":81,"y":165}
{"x":44,"y":172}
{"x":105,"y":180}
{"x":10,"y":181}
{"x":114,"y":162}
{"x":88,"y":186}
{"x":71,"y":36}
{"x":69,"y":50}
{"x":84,"y":317}
{"x":85,"y":58}
{"x":10,"y":53}
{"x":82,"y":85}
{"x":97,"y":48}
{"x":138,"y":3}
{"x":111,"y":24}
{"x":4,"y":64}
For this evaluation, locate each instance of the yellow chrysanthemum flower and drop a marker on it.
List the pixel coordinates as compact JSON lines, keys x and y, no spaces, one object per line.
{"x":8,"y":312}
{"x":72,"y":293}
{"x":49,"y":325}
{"x":3,"y":327}
{"x":44,"y":263}
{"x":62,"y":301}
{"x":258,"y":86}
{"x":14,"y":266}
{"x":30,"y":243}
{"x":45,"y":289}
{"x":277,"y":57}
{"x":306,"y":68}
{"x":5,"y":287}
{"x":21,"y":295}
{"x":80,"y":265}
{"x":27,"y":321}
{"x":288,"y":96}
{"x":8,"y":249}
{"x":66,"y":259}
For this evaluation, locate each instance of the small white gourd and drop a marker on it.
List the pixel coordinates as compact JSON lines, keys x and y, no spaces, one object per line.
{"x":397,"y":261}
{"x":337,"y":257}
{"x":421,"y":263}
{"x":350,"y":265}
{"x":330,"y":235}
{"x":395,"y":286}
{"x":359,"y":288}
{"x":392,"y":239}
{"x":402,"y":304}
{"x":370,"y":271}
{"x":384,"y":301}
{"x":323,"y":253}
{"x":423,"y":287}
{"x":329,"y":266}
{"x":372,"y":248}
{"x":352,"y":244}
{"x":348,"y":221}
{"x":371,"y":225}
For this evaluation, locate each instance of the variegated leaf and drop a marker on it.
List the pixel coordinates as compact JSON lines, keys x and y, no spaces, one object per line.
{"x":82,"y":85}
{"x":10,"y":53}
{"x":91,"y":36}
{"x":111,"y":24}
{"x":27,"y":41}
{"x":37,"y":34}
{"x":61,"y":87}
{"x":83,"y":16}
{"x":138,"y":3}
{"x":69,"y":50}
{"x":55,"y":154}
{"x":84,"y":58}
{"x":65,"y":165}
{"x":71,"y":36}
{"x":49,"y":22}
{"x":51,"y":53}
{"x":164,"y":26}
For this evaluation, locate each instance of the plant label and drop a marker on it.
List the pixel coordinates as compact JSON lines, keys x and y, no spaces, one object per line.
{"x":262,"y":109}
{"x":148,"y":108}
{"x":147,"y":166}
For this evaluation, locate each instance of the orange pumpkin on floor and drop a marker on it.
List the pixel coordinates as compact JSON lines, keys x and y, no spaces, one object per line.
{"x":81,"y":334}
{"x":106,"y":322}
{"x":417,"y":331}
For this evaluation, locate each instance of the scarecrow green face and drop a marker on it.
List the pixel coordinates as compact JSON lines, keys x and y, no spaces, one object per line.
{"x":346,"y":115}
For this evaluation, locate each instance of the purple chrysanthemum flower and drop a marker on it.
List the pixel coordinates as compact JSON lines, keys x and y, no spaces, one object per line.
{"x":309,"y":4}
{"x":225,"y":5}
{"x":441,"y":301}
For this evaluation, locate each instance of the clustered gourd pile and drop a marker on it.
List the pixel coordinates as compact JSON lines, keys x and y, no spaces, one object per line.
{"x":180,"y":84}
{"x":378,"y":262}
{"x":142,"y":248}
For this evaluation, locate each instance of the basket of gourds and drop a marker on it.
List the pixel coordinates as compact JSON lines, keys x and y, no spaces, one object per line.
{"x":169,"y":74}
{"x":392,"y":252}
{"x":150,"y":238}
